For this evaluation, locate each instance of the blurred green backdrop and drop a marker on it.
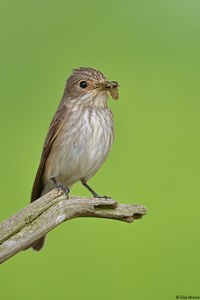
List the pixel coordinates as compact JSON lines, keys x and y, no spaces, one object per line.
{"x":152,"y":47}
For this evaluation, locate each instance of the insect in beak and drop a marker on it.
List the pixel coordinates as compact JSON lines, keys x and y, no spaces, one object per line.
{"x":112,"y":87}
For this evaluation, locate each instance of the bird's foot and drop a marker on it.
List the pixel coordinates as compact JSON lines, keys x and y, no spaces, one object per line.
{"x":95,"y":195}
{"x":101,"y":197}
{"x":61,"y":187}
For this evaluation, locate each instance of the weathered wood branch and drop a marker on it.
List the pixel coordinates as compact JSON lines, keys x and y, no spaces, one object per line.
{"x":38,"y":218}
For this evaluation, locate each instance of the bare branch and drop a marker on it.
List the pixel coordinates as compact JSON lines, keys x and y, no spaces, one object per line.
{"x":38,"y":218}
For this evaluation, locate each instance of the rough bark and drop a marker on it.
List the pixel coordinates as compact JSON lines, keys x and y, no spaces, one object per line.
{"x":38,"y":218}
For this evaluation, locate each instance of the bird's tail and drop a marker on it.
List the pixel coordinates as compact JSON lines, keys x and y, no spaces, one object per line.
{"x":37,"y":245}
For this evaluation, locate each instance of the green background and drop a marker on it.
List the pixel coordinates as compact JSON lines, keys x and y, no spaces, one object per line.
{"x":152,"y":48}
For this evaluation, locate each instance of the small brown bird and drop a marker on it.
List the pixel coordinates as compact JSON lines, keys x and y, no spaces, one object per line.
{"x":80,"y":135}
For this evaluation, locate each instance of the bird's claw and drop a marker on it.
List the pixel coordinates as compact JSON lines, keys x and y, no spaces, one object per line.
{"x":61,"y":187}
{"x":101,"y":197}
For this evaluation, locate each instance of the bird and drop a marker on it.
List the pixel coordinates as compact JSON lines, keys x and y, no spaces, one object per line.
{"x":79,"y":137}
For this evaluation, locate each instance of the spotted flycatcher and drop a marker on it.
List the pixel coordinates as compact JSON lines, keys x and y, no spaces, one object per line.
{"x":80,"y":135}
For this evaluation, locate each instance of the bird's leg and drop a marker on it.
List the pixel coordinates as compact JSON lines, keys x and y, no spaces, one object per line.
{"x":61,"y":187}
{"x":92,"y":191}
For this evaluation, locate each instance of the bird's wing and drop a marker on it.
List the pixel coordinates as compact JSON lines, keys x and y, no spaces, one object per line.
{"x":50,"y":138}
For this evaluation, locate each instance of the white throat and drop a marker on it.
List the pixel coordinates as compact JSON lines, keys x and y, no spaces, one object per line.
{"x":95,"y":98}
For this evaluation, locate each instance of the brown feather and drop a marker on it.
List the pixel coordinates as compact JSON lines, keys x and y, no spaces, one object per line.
{"x":50,"y":138}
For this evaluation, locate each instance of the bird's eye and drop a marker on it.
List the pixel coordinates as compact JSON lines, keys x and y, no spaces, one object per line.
{"x":83,"y":84}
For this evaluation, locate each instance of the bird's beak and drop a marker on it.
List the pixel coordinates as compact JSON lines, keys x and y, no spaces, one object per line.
{"x":109,"y":84}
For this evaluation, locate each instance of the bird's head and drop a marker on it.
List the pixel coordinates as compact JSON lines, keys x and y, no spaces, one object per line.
{"x":90,"y":87}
